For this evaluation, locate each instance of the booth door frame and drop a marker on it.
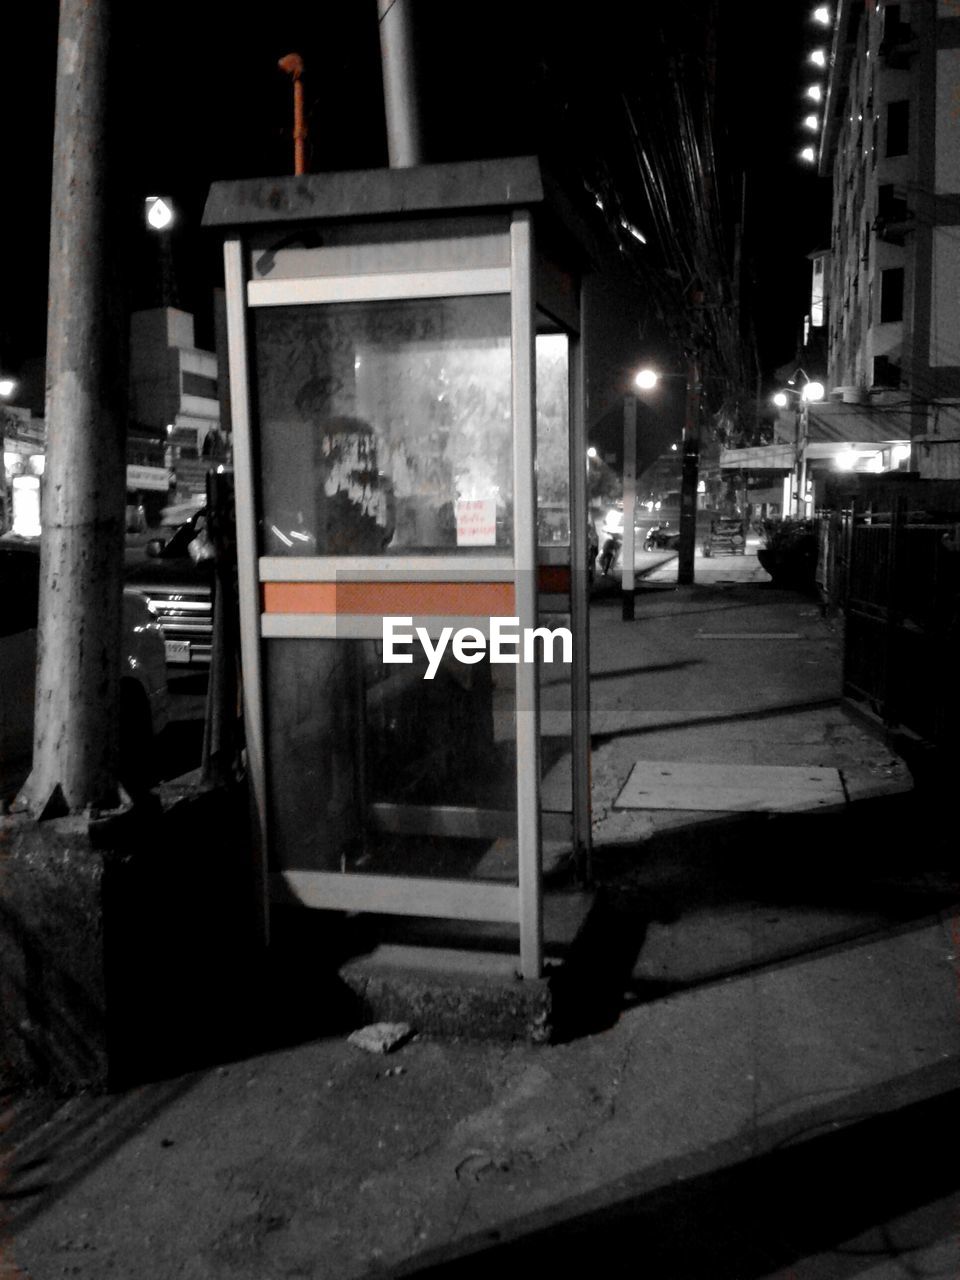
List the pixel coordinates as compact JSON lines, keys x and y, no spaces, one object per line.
{"x":522,"y":903}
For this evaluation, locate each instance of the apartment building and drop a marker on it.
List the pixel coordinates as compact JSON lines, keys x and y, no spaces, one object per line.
{"x":890,"y":140}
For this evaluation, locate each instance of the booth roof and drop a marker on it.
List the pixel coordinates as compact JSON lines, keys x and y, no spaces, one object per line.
{"x":355,"y":194}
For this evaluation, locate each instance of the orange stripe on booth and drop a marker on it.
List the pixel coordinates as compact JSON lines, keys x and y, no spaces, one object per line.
{"x":391,"y":599}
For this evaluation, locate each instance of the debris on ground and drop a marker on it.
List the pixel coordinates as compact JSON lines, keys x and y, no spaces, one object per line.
{"x":381,"y":1037}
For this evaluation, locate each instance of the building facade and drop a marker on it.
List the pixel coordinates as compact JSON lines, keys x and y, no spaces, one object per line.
{"x":890,"y":141}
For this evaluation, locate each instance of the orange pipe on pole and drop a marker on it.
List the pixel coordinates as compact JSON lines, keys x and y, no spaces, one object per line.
{"x":292,"y":63}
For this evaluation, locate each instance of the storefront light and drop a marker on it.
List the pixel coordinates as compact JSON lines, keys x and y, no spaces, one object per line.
{"x":37,"y":463}
{"x":847,"y":460}
{"x":26,"y":506}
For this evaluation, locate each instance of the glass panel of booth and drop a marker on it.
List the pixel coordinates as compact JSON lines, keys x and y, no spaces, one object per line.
{"x":373,"y":769}
{"x":384,"y":428}
{"x":553,"y":538}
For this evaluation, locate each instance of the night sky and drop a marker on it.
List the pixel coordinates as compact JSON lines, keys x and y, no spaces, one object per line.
{"x":201,"y":99}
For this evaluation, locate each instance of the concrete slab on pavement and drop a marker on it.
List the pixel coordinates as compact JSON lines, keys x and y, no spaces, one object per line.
{"x":725,"y":788}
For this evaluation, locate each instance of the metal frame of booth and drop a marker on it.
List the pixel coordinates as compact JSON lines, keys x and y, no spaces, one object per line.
{"x":326,"y":597}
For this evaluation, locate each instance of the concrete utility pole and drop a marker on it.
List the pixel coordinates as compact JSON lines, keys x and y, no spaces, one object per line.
{"x":398,"y":63}
{"x":76,"y":732}
{"x":689,"y":475}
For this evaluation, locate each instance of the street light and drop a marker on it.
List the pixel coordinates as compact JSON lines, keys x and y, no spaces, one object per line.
{"x":160,"y":215}
{"x":810,"y":393}
{"x":7,"y":387}
{"x":159,"y":212}
{"x":646,"y":380}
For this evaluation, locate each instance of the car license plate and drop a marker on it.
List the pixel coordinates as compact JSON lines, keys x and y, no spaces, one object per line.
{"x":177,"y":650}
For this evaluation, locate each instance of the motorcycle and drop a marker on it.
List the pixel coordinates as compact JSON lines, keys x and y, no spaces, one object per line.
{"x":660,"y":537}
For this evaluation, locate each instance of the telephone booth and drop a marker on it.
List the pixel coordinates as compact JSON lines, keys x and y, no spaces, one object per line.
{"x":405,"y":369}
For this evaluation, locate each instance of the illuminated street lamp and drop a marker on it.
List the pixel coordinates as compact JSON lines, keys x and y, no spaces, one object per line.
{"x":7,"y":387}
{"x":818,"y":57}
{"x":822,"y":15}
{"x":815,"y":92}
{"x":159,"y":213}
{"x":811,"y":122}
{"x":810,"y":393}
{"x":647,"y":380}
{"x":808,"y":154}
{"x":161,"y":216}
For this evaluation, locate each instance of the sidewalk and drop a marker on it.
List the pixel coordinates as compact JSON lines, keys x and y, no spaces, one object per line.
{"x":769,"y":1064}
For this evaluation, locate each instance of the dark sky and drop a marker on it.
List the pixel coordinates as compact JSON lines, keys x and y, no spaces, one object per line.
{"x":201,"y":98}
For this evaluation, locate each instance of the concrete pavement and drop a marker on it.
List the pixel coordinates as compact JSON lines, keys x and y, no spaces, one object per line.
{"x":757,"y":1079}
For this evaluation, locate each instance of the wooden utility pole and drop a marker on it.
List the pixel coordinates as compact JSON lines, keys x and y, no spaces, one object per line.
{"x":75,"y":755}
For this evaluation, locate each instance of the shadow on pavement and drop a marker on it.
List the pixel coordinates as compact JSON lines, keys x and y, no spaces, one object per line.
{"x":725,"y":717}
{"x":862,"y":1194}
{"x":744,"y":893}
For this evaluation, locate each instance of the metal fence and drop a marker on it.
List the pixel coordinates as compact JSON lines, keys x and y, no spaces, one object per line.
{"x":894,"y":559}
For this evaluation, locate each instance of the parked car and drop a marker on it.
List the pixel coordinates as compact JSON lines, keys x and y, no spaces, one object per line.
{"x":143,"y":680}
{"x":177,"y":580}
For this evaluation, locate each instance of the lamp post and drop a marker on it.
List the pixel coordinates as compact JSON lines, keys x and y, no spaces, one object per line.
{"x":809,"y":393}
{"x":646,"y":380}
{"x":160,"y":216}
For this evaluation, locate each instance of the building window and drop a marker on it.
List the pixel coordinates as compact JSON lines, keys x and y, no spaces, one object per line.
{"x":891,"y":207}
{"x":885,"y":372}
{"x":891,"y":295}
{"x":195,"y":384}
{"x":898,"y":128}
{"x":817,"y":295}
